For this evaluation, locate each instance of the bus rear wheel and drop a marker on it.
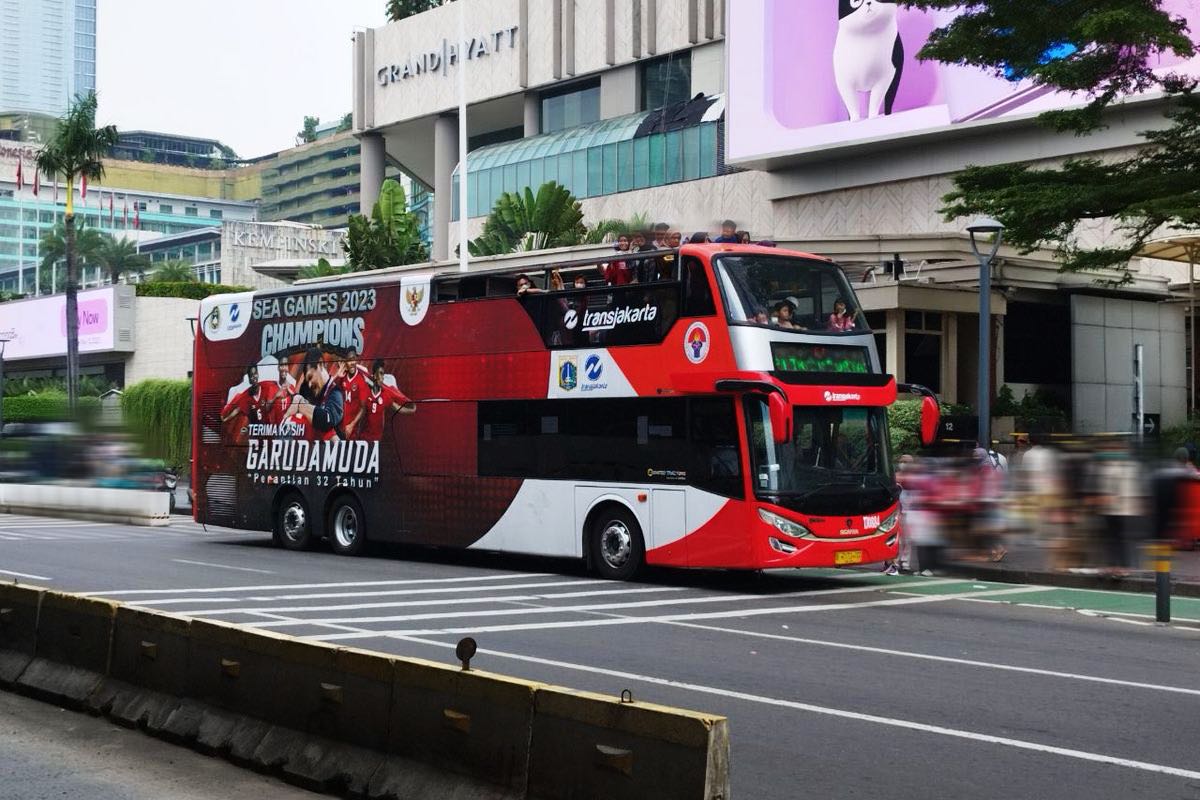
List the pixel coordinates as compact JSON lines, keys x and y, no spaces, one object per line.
{"x":293,"y":528}
{"x":618,"y":551}
{"x":347,"y":526}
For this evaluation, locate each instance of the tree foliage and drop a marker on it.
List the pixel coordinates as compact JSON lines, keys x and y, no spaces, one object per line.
{"x":391,"y":236}
{"x":403,"y":9}
{"x":175,"y":270}
{"x":161,"y":412}
{"x":191,"y":290}
{"x":525,"y":221}
{"x":1102,"y":50}
{"x":322,"y":269}
{"x":608,"y":229}
{"x":118,"y":257}
{"x":53,"y":246}
{"x":308,"y":133}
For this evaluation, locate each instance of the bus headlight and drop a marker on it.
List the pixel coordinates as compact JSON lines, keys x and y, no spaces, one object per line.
{"x":784,"y":526}
{"x":888,"y":524}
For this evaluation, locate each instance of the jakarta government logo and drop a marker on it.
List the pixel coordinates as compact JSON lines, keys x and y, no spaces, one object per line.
{"x":696,"y":342}
{"x":593,"y":367}
{"x":568,"y":373}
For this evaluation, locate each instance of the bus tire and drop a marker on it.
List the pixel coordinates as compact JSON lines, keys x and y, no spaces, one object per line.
{"x":617,"y":550}
{"x":347,"y":526}
{"x":293,"y":525}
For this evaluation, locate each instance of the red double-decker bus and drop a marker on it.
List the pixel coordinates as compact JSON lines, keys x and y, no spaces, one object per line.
{"x":714,"y":406}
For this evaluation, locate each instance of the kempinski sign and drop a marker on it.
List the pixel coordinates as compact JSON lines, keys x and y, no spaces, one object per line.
{"x":302,"y":242}
{"x":439,"y":61}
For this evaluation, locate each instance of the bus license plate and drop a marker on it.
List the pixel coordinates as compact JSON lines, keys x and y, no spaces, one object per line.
{"x":847,"y":557}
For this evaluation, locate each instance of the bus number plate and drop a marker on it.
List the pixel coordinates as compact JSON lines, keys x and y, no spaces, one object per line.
{"x":847,"y":557}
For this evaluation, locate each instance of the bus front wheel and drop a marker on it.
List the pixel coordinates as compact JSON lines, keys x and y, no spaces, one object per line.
{"x":617,"y":548}
{"x":347,"y":526}
{"x":293,"y":528}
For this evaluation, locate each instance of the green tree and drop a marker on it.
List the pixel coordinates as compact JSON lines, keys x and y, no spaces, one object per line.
{"x":322,"y":269}
{"x":347,"y":122}
{"x":75,"y":151}
{"x":525,"y":221}
{"x":309,"y":132}
{"x":1105,"y":50}
{"x":175,"y":270}
{"x":118,"y":257}
{"x":403,"y":9}
{"x":609,"y":229}
{"x":391,"y":236}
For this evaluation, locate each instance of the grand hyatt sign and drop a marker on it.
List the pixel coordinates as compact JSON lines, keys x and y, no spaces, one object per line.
{"x":439,"y":61}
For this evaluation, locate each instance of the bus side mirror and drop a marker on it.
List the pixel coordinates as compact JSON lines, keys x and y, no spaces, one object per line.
{"x":781,"y":418}
{"x":931,"y":417}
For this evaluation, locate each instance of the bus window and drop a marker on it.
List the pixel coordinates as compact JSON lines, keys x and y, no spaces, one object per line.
{"x":755,"y":286}
{"x":697,"y":296}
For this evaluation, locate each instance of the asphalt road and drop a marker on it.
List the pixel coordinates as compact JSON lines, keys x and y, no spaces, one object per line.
{"x":836,"y":684}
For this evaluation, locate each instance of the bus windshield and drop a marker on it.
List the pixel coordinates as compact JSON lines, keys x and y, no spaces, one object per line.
{"x":788,"y":293}
{"x":829,"y":446}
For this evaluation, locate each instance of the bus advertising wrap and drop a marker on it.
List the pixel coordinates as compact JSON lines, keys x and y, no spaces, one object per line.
{"x":810,"y":75}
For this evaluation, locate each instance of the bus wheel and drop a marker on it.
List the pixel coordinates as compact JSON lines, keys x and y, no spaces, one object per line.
{"x":617,"y":549}
{"x":347,"y":526}
{"x":293,"y":529}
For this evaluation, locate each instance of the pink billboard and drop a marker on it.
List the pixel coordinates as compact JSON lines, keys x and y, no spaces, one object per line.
{"x":38,"y":328}
{"x":809,"y":75}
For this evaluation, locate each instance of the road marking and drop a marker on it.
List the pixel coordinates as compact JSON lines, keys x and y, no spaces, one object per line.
{"x":346,"y":584}
{"x":440,"y":601}
{"x":23,"y":575}
{"x":1098,"y":758}
{"x":624,"y":620}
{"x":222,"y":566}
{"x":946,"y":659}
{"x":391,"y":592}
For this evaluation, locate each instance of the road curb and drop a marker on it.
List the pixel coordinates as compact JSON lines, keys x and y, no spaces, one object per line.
{"x":1068,"y":580}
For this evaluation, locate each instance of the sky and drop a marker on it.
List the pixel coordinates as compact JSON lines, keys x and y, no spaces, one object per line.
{"x":245,"y":72}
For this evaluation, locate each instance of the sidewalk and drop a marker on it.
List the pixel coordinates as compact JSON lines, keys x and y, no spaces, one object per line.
{"x":1028,"y":563}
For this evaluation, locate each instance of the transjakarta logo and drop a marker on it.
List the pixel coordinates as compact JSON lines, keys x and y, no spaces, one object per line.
{"x":842,"y":397}
{"x":594,"y":367}
{"x":607,"y":320}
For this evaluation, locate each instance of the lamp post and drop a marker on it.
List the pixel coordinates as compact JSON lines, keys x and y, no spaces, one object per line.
{"x":2,"y":343}
{"x":985,"y":226}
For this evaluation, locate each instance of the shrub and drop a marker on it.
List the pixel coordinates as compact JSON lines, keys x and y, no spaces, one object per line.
{"x":49,"y":406}
{"x":190,"y":290}
{"x":160,"y":411}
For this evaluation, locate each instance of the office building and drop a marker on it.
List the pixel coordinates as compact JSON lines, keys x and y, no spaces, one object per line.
{"x":47,"y":54}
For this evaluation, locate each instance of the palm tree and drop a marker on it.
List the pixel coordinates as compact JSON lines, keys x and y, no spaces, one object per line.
{"x":53,"y":248}
{"x":175,"y":270}
{"x":118,"y":256}
{"x":74,"y":151}
{"x":321,"y":269}
{"x":525,"y":221}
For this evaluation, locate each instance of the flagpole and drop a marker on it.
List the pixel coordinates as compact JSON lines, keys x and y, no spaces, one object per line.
{"x":462,"y":137}
{"x":21,"y":231}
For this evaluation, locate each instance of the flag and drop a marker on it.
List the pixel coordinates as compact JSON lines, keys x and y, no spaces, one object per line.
{"x":37,"y":182}
{"x":83,"y":188}
{"x":137,"y":217}
{"x":126,"y":212}
{"x":20,"y":175}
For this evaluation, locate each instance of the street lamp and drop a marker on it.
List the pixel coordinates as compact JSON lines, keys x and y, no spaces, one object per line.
{"x":2,"y":343}
{"x":985,"y":226}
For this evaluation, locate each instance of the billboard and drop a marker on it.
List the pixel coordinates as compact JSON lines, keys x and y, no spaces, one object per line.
{"x":810,"y":75}
{"x":38,"y":328}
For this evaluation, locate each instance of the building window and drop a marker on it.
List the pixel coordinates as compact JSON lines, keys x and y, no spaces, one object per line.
{"x":578,"y":104}
{"x":1037,"y":344}
{"x":923,"y":348}
{"x":216,"y":213}
{"x":164,"y":208}
{"x":191,"y":211}
{"x":666,"y":80}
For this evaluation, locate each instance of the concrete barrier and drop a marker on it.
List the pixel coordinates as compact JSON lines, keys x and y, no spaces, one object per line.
{"x":351,"y":721}
{"x":129,"y":506}
{"x":588,"y":745}
{"x":18,"y":630}
{"x":74,"y":637}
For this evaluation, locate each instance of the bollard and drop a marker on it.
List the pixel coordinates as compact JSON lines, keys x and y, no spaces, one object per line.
{"x":1160,"y":553}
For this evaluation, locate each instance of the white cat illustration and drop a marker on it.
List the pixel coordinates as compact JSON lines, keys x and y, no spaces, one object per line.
{"x":868,"y":55}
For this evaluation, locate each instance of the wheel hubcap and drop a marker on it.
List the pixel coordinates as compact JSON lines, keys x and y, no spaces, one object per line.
{"x":616,"y":544}
{"x":294,"y":522}
{"x":345,"y":526}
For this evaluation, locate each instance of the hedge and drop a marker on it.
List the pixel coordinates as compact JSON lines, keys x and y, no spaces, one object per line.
{"x":189,"y":290}
{"x":46,"y":407}
{"x":160,"y":411}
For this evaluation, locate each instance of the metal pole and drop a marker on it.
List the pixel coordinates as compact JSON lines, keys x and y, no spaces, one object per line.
{"x":462,"y":137}
{"x":3,"y":342}
{"x":1191,"y":402}
{"x":1161,"y":553}
{"x":985,"y":352}
{"x":1139,"y":394}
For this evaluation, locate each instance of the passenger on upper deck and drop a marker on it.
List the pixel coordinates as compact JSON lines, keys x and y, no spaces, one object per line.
{"x":525,"y":286}
{"x":666,"y":264}
{"x":784,"y":316}
{"x":618,"y":273}
{"x":841,"y":319}
{"x":700,"y":237}
{"x":728,"y":233}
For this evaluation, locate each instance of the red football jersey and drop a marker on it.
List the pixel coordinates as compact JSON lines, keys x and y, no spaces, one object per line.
{"x":378,"y":406}
{"x":354,"y":392}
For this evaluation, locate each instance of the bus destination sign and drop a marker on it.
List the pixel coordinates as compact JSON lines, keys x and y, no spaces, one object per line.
{"x":809,"y":357}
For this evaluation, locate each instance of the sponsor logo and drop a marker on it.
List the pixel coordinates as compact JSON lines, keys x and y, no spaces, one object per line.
{"x":570,"y":319}
{"x":213,"y":320}
{"x":842,"y":397}
{"x":871,"y":521}
{"x":593,"y":367}
{"x":414,"y":303}
{"x":696,"y":341}
{"x":568,"y":373}
{"x":615,"y":317}
{"x":235,"y":313}
{"x":848,"y":532}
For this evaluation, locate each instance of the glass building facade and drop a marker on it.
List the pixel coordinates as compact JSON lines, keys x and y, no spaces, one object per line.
{"x":47,"y":54}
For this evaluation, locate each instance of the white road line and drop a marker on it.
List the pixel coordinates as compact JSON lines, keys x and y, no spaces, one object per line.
{"x":503,"y":612}
{"x":392,"y":592}
{"x":1037,"y":747}
{"x":221,"y":566}
{"x":346,"y":584}
{"x":438,"y":602}
{"x":23,"y":575}
{"x":624,"y":620}
{"x":966,"y":662}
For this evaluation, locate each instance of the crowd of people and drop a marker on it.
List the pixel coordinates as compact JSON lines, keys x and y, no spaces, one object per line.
{"x":1087,"y":507}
